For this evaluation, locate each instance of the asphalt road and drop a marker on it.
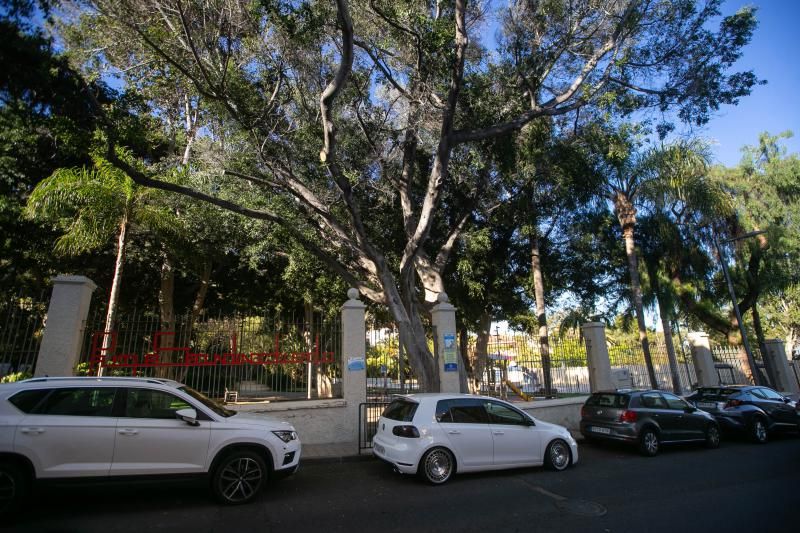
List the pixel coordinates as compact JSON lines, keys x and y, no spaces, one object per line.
{"x":739,"y":487}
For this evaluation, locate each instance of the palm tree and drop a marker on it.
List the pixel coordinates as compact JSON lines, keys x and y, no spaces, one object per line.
{"x":93,"y":205}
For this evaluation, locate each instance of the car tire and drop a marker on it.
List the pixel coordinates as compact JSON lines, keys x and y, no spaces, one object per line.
{"x":712,"y":436}
{"x":649,"y":443}
{"x":239,"y":477}
{"x":758,"y":431}
{"x":558,"y":455}
{"x":14,"y":487}
{"x":437,"y":466}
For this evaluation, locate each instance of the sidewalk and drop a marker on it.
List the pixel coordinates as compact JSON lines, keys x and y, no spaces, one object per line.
{"x":337,"y":452}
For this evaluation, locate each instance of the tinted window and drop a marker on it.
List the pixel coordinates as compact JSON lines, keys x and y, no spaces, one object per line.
{"x":147,"y":403}
{"x":502,"y":414}
{"x":608,"y":400}
{"x":27,"y":400}
{"x":674,"y":402}
{"x":464,"y":411}
{"x":653,"y":401}
{"x":716,"y":394}
{"x":757,"y":393}
{"x":78,"y":402}
{"x":400,"y":410}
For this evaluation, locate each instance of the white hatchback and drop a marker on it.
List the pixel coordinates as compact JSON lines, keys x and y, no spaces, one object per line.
{"x":61,"y":428}
{"x":437,"y":435}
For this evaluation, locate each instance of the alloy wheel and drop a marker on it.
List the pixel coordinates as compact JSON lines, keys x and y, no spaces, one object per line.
{"x":760,"y":431}
{"x":650,"y":443}
{"x":559,"y":455}
{"x":438,"y":466}
{"x":8,"y":490}
{"x":240,"y":479}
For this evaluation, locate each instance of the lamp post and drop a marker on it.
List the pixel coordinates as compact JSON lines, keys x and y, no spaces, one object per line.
{"x":750,"y":359}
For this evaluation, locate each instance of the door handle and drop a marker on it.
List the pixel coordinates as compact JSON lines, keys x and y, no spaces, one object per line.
{"x":498,"y":432}
{"x":32,"y":431}
{"x":128,"y":431}
{"x":454,"y":432}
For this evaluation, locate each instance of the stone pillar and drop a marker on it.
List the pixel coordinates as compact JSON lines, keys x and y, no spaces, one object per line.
{"x":594,"y":333}
{"x":783,"y":374}
{"x":354,"y":359}
{"x":60,"y":350}
{"x":707,"y":375}
{"x":443,"y":317}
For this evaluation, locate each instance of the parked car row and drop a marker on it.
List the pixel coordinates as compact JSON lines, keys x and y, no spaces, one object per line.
{"x":650,"y":418}
{"x":101,"y":428}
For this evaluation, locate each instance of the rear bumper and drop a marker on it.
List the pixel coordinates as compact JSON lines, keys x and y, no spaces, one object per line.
{"x":399,"y":454}
{"x":614,"y":432}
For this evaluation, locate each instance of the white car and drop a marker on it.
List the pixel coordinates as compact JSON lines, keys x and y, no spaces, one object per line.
{"x":437,"y":435}
{"x":61,"y":428}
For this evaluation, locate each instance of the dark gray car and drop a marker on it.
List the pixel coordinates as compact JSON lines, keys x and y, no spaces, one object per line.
{"x":646,"y":418}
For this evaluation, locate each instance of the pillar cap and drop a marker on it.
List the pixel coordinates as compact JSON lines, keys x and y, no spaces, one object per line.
{"x":593,"y":325}
{"x":353,"y":302}
{"x":66,"y":279}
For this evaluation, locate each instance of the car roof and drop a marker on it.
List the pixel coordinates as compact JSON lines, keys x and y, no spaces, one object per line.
{"x":63,"y":381}
{"x":431,"y":396}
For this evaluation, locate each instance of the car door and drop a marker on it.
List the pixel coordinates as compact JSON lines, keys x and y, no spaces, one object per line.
{"x":466,"y":426}
{"x":654,"y":406}
{"x":70,"y":433}
{"x":688,"y":423}
{"x":151,"y":440}
{"x":772,"y":403}
{"x":516,"y":439}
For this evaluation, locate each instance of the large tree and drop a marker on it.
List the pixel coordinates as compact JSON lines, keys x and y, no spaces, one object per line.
{"x":350,"y":113}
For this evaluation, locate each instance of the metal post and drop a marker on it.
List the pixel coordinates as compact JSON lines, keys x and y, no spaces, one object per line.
{"x":754,"y":371}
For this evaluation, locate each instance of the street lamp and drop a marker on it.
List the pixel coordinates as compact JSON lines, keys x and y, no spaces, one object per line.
{"x":750,"y":359}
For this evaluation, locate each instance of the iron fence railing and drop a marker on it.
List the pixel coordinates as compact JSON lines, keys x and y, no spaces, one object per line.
{"x":267,"y":357}
{"x":389,"y":370}
{"x":22,"y":321}
{"x":369,"y":414}
{"x":732,"y":365}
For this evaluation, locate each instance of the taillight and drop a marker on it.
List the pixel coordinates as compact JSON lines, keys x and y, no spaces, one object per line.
{"x":583,"y":411}
{"x":409,"y":432}
{"x":733,"y":403}
{"x":628,"y":416}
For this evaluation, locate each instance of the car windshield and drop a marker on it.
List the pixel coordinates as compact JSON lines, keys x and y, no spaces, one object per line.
{"x":619,"y":401}
{"x":208,"y":402}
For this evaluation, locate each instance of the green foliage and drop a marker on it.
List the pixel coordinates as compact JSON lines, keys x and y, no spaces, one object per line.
{"x":16,"y":376}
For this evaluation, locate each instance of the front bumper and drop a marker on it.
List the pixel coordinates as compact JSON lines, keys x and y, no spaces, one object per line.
{"x":287,"y":457}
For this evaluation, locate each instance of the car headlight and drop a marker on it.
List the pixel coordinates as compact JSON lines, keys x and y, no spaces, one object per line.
{"x":286,"y":436}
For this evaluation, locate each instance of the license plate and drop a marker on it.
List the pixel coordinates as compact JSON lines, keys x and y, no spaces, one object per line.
{"x":378,"y":448}
{"x":604,"y":431}
{"x":707,"y":405}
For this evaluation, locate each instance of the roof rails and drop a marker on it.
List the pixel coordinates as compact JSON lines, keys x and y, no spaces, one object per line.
{"x":157,"y":381}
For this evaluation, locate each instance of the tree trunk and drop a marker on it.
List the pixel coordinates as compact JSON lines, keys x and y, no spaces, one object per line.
{"x":670,"y":346}
{"x":541,"y":316}
{"x":482,"y":348}
{"x":469,"y":369}
{"x":762,"y":346}
{"x":197,"y":309}
{"x":113,"y":298}
{"x":626,"y":214}
{"x":166,"y":307}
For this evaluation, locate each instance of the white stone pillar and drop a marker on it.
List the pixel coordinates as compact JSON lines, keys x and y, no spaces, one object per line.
{"x":443,"y":317}
{"x":784,"y":376}
{"x":594,"y":334}
{"x":354,"y":359}
{"x":60,"y":350}
{"x":707,"y":375}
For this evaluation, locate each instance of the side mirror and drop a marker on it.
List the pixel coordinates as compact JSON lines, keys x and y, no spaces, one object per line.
{"x":689,"y":409}
{"x":187,"y":415}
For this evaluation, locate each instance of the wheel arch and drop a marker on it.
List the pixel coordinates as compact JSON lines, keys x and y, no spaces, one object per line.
{"x":228,"y":449}
{"x":21,"y":461}
{"x":433,"y":447}
{"x":547,"y":448}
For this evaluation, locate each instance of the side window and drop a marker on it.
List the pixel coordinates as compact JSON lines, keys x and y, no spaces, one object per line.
{"x":79,"y":402}
{"x":461,"y":412}
{"x":502,"y":414}
{"x":147,"y":403}
{"x":771,"y":394}
{"x":27,"y":400}
{"x":757,"y":394}
{"x":674,"y":402}
{"x":653,"y":400}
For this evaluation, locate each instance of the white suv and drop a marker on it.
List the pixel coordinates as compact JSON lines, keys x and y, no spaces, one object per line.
{"x":56,"y":428}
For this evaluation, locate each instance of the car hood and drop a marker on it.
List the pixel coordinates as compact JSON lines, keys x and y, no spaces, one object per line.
{"x":259,"y":420}
{"x":555,"y":428}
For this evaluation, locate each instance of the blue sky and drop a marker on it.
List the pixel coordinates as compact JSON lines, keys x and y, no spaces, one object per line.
{"x":774,"y":107}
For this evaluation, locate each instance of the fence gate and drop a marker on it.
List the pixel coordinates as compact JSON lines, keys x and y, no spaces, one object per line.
{"x":368,"y":415}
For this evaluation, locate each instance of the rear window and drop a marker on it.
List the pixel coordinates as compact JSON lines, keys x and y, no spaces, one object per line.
{"x":715,"y":394}
{"x":609,"y":400}
{"x":400,"y":410}
{"x":27,"y":400}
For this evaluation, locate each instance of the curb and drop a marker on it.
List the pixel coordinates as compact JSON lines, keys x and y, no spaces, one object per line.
{"x":337,"y":460}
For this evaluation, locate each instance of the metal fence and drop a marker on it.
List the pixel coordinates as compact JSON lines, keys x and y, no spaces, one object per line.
{"x":514,"y":369}
{"x":368,"y":415}
{"x":630,"y":369}
{"x":733,"y":367}
{"x":241,"y":357}
{"x":21,"y":327}
{"x":388,"y":367}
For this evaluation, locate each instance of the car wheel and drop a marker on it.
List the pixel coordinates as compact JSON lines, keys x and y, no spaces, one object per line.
{"x":239,"y":477}
{"x":558,"y":456}
{"x":14,"y":485}
{"x":758,"y":431}
{"x":437,"y":466}
{"x":712,"y":436}
{"x":648,"y":442}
